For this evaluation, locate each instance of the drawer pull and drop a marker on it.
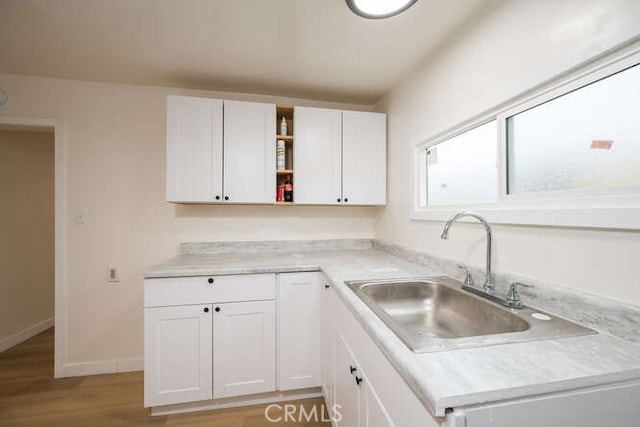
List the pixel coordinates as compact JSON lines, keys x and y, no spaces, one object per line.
{"x":210,"y":280}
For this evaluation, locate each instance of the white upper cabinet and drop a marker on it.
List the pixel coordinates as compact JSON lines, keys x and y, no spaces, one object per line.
{"x":225,"y":152}
{"x":340,"y":157}
{"x":249,"y":152}
{"x":364,"y":158}
{"x":194,"y":149}
{"x":318,"y":156}
{"x":220,"y":151}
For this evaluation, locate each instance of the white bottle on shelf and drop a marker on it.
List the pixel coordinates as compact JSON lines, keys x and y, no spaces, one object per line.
{"x":283,"y":126}
{"x":280,"y":152}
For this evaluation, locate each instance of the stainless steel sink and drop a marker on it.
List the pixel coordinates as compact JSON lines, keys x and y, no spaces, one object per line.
{"x":434,"y":314}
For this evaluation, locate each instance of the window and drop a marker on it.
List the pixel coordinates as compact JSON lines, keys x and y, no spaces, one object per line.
{"x":588,"y":138}
{"x":566,"y":154}
{"x":463,"y":169}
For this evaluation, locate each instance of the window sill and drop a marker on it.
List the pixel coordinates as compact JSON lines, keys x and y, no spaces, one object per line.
{"x":622,"y":218}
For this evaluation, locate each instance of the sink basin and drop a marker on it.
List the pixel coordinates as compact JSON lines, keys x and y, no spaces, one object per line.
{"x":435,"y":314}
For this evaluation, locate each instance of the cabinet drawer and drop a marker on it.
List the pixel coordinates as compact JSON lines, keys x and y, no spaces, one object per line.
{"x":198,"y":290}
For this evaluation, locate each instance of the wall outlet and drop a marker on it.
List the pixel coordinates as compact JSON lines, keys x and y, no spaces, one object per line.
{"x":113,"y":274}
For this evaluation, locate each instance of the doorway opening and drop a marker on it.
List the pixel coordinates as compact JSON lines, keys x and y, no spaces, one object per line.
{"x":27,"y":227}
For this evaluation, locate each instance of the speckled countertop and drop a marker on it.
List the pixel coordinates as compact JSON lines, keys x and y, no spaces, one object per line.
{"x":442,"y":379}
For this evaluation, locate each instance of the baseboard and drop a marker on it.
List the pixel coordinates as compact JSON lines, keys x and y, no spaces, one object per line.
{"x":100,"y":367}
{"x":234,"y":402}
{"x":22,"y":336}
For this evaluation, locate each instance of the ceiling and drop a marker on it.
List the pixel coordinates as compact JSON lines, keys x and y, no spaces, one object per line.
{"x":315,"y":49}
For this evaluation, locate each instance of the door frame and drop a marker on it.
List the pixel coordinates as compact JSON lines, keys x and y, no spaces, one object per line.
{"x":60,"y":228}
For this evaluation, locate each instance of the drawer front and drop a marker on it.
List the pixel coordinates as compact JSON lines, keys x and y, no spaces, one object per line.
{"x":198,"y":290}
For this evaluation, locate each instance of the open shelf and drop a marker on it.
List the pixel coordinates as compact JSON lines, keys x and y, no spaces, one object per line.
{"x":285,"y":111}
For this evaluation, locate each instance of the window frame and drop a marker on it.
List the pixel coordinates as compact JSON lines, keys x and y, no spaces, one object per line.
{"x":612,"y":207}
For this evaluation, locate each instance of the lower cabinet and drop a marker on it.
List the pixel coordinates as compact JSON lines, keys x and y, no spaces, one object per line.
{"x":299,"y":316}
{"x":328,"y":348}
{"x":244,"y":348}
{"x":226,"y":336}
{"x":346,"y":392}
{"x":178,"y":344}
{"x":222,"y":347}
{"x":361,"y":387}
{"x":355,"y":401}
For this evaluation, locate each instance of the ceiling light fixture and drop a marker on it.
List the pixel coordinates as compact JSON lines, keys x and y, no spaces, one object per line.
{"x":378,"y":9}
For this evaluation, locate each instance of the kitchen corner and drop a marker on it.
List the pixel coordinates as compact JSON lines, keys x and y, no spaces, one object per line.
{"x":448,"y":379}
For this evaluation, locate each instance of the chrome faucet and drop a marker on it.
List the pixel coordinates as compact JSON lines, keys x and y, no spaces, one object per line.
{"x":488,"y":284}
{"x":512,"y":300}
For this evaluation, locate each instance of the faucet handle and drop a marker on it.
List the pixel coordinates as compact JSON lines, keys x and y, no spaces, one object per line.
{"x":513,"y":296}
{"x":468,"y":279}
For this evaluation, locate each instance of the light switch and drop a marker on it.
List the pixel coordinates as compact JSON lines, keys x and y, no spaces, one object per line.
{"x":82,"y":216}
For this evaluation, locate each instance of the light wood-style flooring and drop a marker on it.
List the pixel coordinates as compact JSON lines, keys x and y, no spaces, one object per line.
{"x":30,"y":396}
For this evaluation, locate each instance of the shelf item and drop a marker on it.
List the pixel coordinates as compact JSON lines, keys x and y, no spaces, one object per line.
{"x":280,"y":154}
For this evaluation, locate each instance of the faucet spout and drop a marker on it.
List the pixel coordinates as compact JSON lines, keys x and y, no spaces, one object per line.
{"x":488,"y":284}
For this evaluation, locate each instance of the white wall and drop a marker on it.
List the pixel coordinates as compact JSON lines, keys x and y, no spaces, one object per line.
{"x":26,"y":234}
{"x":113,"y":142}
{"x":514,"y":46}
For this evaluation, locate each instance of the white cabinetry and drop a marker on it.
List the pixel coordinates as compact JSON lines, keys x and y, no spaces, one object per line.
{"x":340,"y":157}
{"x":299,"y":314}
{"x":372,"y":411}
{"x":364,"y":158}
{"x":219,"y":151}
{"x":209,"y":337}
{"x":328,"y":348}
{"x":179,"y":338}
{"x":194,"y":149}
{"x":365,"y":388}
{"x":244,"y":348}
{"x":318,"y":156}
{"x":355,"y":400}
{"x":249,"y":152}
{"x":346,"y":392}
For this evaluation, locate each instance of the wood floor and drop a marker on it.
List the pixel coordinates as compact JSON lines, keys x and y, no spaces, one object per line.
{"x":30,"y":396}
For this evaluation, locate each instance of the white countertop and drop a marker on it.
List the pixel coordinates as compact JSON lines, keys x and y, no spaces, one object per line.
{"x":441,"y":379}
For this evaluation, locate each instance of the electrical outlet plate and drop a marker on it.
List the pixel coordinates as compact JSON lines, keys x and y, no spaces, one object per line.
{"x":113,"y":275}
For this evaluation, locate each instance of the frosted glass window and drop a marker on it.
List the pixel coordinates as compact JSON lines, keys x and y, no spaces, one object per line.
{"x":588,"y":138}
{"x":463,"y":169}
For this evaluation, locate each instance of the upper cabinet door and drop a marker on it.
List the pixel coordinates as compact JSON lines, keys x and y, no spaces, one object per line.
{"x":249,"y":152}
{"x":364,"y":158}
{"x":317,"y":156}
{"x":194,"y":149}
